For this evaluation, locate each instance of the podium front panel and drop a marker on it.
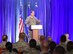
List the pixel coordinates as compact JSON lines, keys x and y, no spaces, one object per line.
{"x":36,"y":34}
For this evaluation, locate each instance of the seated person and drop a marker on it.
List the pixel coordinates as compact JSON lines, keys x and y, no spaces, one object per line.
{"x":70,"y":47}
{"x":52,"y":46}
{"x":59,"y":50}
{"x":21,"y":45}
{"x":9,"y":49}
{"x":4,"y":41}
{"x":41,"y":39}
{"x":40,"y":42}
{"x":67,"y":38}
{"x":63,"y":41}
{"x":49,"y":40}
{"x":44,"y":48}
{"x":32,"y":44}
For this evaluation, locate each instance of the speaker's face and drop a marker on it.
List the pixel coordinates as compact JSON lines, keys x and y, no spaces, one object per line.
{"x":32,"y":13}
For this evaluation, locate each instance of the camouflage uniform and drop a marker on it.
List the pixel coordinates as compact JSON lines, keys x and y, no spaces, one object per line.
{"x":31,"y":21}
{"x":69,"y":52}
{"x":63,"y":45}
{"x":22,"y":47}
{"x":2,"y":45}
{"x":7,"y":52}
{"x":34,"y":51}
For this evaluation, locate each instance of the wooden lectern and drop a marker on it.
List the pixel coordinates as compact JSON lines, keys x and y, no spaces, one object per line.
{"x":36,"y":29}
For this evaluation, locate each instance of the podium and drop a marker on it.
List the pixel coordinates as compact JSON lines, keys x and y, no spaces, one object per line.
{"x":35,"y":32}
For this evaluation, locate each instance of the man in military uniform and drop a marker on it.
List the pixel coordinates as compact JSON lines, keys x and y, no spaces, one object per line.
{"x":31,"y":20}
{"x":21,"y":45}
{"x":9,"y":49}
{"x":33,"y":47}
{"x":4,"y":41}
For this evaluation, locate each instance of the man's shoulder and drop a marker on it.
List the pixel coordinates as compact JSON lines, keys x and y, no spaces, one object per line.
{"x":34,"y":51}
{"x":2,"y":45}
{"x":20,"y":43}
{"x":28,"y":16}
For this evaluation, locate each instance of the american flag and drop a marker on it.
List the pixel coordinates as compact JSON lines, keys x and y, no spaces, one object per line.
{"x":21,"y":24}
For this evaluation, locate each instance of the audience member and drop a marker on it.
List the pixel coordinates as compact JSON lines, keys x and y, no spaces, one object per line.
{"x":49,"y":40}
{"x":4,"y":41}
{"x":52,"y":46}
{"x":21,"y":45}
{"x":9,"y":49}
{"x":40,"y":42}
{"x":63,"y":41}
{"x":70,"y":47}
{"x":41,"y":39}
{"x":67,"y":38}
{"x":44,"y":48}
{"x":59,"y":50}
{"x":32,"y":44}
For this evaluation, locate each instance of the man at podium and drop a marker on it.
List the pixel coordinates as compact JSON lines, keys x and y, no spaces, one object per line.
{"x":31,"y":20}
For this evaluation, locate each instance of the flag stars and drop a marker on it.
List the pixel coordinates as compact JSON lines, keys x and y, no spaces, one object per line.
{"x":36,"y":5}
{"x":29,"y":4}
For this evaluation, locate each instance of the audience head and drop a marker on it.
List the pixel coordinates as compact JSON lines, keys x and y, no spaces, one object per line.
{"x":4,"y":38}
{"x":22,"y":35}
{"x":70,"y":46}
{"x":49,"y":39}
{"x":52,"y":45}
{"x":42,"y":38}
{"x":67,"y":36}
{"x":63,"y":38}
{"x":9,"y":46}
{"x":59,"y":50}
{"x":32,"y":43}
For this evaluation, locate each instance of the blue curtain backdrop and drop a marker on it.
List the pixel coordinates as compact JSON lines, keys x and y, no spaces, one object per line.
{"x":56,"y":16}
{"x":7,"y":19}
{"x":62,"y":18}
